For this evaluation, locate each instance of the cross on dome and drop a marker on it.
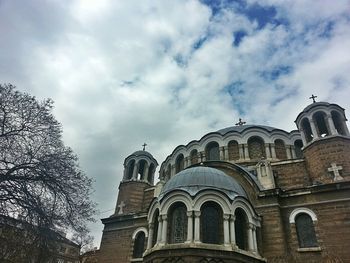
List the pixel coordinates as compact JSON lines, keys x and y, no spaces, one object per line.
{"x":240,"y":123}
{"x":313,"y":97}
{"x":144,"y":146}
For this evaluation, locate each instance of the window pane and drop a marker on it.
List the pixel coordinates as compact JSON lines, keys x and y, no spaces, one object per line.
{"x":305,"y":231}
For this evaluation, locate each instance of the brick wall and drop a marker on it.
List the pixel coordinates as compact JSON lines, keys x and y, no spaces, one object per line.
{"x":291,"y":174}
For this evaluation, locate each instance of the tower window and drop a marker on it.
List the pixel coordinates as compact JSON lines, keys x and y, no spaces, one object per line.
{"x":321,"y":124}
{"x":194,"y":156}
{"x":139,"y":245}
{"x":280,"y":150}
{"x":305,"y":231}
{"x":256,"y":148}
{"x":233,"y":151}
{"x":211,"y":223}
{"x":298,"y":144}
{"x":180,"y":163}
{"x":212,"y":151}
{"x":338,"y":123}
{"x":305,"y":125}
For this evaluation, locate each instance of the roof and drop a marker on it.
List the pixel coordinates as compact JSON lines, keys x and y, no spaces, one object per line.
{"x":196,"y":179}
{"x":142,"y":153}
{"x":242,"y":128}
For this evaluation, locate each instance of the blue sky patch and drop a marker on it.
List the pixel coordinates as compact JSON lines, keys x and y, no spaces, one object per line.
{"x":238,"y":37}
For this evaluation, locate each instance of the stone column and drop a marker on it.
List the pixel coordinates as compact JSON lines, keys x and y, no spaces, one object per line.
{"x":303,"y":138}
{"x":172,"y":171}
{"x":313,"y":129}
{"x":232,"y":231}
{"x":226,"y":230}
{"x":255,"y":245}
{"x":160,"y":228}
{"x":250,"y":238}
{"x":203,"y":159}
{"x":331,"y":126}
{"x":150,"y":235}
{"x":197,"y":215}
{"x":267,"y":151}
{"x":189,"y":227}
{"x":273,"y":151}
{"x":135,"y":171}
{"x":222,"y":153}
{"x":226,"y":153}
{"x":164,"y":229}
{"x":145,"y":172}
{"x":187,"y":162}
{"x":241,"y":151}
{"x":288,"y":151}
{"x":246,"y":152}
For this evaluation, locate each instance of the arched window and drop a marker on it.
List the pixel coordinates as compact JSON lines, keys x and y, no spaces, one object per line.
{"x":179,"y":164}
{"x":280,"y":150}
{"x":130,"y":169}
{"x":305,"y":230}
{"x":178,"y":223}
{"x":150,"y":173}
{"x":321,"y":124}
{"x":256,"y":148}
{"x":241,"y":229}
{"x":338,"y":123}
{"x":298,"y":144}
{"x":212,"y":151}
{"x":211,"y":223}
{"x":194,"y":156}
{"x":155,"y":228}
{"x":139,"y":245}
{"x":142,"y":165}
{"x":305,"y":126}
{"x":233,"y":151}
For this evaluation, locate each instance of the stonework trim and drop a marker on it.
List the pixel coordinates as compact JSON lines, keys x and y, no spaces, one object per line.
{"x":305,"y":210}
{"x":140,"y":229}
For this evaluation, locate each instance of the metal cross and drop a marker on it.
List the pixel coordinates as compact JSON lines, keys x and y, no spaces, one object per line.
{"x":121,"y":206}
{"x":240,"y":123}
{"x":313,"y":97}
{"x":144,"y":146}
{"x":335,"y":169}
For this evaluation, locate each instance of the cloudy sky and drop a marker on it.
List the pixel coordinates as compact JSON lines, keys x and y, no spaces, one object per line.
{"x":166,"y":72}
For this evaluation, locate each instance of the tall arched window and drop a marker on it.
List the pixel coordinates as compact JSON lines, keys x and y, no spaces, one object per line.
{"x":150,"y":173}
{"x":280,"y":150}
{"x":212,"y":151}
{"x":179,"y":163}
{"x":256,"y":148}
{"x":305,"y":125}
{"x":194,"y":156}
{"x":241,"y":229}
{"x":155,"y":228}
{"x":130,"y":169}
{"x":142,"y":165}
{"x":305,"y":231}
{"x":139,"y":245}
{"x":233,"y":151}
{"x":338,"y":123}
{"x":211,"y":223}
{"x":177,"y":231}
{"x":321,"y":124}
{"x":298,"y":144}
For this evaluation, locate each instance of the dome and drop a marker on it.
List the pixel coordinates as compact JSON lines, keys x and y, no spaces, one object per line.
{"x":141,"y":152}
{"x":196,"y":179}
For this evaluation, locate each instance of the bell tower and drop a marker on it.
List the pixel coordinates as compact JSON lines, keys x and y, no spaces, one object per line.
{"x":326,"y":141}
{"x":139,"y":170}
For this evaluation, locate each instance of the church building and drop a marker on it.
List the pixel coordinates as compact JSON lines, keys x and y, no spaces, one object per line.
{"x":246,"y":193}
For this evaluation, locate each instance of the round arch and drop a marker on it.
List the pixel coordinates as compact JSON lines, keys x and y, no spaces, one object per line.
{"x":212,"y":196}
{"x":305,"y":210}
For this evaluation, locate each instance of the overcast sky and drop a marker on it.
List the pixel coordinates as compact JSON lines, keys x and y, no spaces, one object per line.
{"x":126,"y":72}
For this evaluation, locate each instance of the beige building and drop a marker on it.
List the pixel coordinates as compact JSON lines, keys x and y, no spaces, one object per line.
{"x":247,"y":193}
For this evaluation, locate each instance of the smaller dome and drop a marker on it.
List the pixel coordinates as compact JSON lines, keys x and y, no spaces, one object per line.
{"x":141,"y":152}
{"x":196,"y":179}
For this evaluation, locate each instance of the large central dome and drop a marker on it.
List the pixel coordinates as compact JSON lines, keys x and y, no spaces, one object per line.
{"x":196,"y":179}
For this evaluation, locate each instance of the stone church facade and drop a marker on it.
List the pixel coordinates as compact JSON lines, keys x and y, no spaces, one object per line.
{"x":247,"y":193}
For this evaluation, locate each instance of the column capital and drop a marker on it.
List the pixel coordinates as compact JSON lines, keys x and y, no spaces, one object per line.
{"x":233,"y":218}
{"x":189,"y":213}
{"x":251,"y":226}
{"x":164,"y":217}
{"x":197,"y":213}
{"x":160,"y":219}
{"x":226,"y":216}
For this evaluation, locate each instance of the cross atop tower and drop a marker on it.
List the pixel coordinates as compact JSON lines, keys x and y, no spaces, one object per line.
{"x":313,"y":97}
{"x":144,"y":146}
{"x":240,"y":123}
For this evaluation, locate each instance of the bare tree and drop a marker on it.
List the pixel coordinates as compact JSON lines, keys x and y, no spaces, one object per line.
{"x":40,"y":179}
